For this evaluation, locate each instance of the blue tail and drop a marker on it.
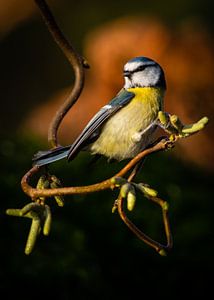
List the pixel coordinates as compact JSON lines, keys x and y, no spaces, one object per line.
{"x":46,"y":157}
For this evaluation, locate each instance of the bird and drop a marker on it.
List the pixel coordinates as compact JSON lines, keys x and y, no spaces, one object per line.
{"x":125,"y":126}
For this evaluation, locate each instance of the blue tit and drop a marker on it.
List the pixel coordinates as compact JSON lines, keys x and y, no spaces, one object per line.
{"x":125,"y":126}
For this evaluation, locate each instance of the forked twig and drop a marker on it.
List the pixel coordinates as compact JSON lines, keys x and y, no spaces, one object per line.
{"x":160,"y":248}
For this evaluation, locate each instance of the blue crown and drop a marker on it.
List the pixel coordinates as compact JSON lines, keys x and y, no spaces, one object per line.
{"x":142,"y":59}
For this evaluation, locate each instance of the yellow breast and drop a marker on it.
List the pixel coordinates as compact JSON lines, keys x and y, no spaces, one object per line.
{"x":148,"y":96}
{"x":121,"y":136}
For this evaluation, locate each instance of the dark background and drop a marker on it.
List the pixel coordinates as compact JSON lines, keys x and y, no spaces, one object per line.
{"x":90,"y":254}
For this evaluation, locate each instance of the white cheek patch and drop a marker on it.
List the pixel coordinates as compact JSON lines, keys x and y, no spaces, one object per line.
{"x":139,"y":79}
{"x":146,"y":78}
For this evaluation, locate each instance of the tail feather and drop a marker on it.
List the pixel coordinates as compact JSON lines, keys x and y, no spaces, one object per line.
{"x":42,"y":158}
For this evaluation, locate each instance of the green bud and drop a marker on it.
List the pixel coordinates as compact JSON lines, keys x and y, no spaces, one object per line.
{"x":14,"y":212}
{"x":193,"y":128}
{"x":163,"y":117}
{"x":176,"y":123}
{"x":162,"y":252}
{"x":150,"y":192}
{"x":41,"y":181}
{"x":32,"y":236}
{"x":113,"y":180}
{"x":47,"y":222}
{"x":131,"y":199}
{"x":124,"y":190}
{"x":59,"y":199}
{"x":204,"y":120}
{"x":147,"y":190}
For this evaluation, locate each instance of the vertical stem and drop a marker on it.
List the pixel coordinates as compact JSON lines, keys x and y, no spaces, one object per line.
{"x":164,"y":205}
{"x":75,"y":60}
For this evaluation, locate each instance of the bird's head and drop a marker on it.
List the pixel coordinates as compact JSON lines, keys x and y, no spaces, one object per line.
{"x":143,"y":72}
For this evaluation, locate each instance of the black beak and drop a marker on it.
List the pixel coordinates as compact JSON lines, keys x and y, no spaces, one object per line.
{"x":127,"y":74}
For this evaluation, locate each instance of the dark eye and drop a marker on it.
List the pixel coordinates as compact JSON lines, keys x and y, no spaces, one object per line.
{"x":140,"y":68}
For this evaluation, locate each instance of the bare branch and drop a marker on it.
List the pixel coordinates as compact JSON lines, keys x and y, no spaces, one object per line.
{"x":106,"y":184}
{"x":160,"y":248}
{"x":76,"y":61}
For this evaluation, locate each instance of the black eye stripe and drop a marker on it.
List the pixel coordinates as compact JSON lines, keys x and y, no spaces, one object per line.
{"x":140,"y":68}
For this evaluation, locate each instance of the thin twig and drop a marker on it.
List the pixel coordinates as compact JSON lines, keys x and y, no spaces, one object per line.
{"x":142,"y":236}
{"x":160,"y":248}
{"x":76,"y":61}
{"x":164,"y":205}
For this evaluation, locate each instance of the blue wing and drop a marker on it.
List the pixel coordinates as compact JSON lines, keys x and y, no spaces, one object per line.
{"x":92,"y":130}
{"x":88,"y":135}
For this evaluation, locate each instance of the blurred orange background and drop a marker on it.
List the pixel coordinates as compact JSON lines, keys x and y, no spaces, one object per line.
{"x":90,"y":254}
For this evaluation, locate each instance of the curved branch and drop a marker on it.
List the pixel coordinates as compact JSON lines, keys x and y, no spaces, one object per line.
{"x":160,"y":248}
{"x":76,"y":61}
{"x":106,"y":184}
{"x":141,"y":235}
